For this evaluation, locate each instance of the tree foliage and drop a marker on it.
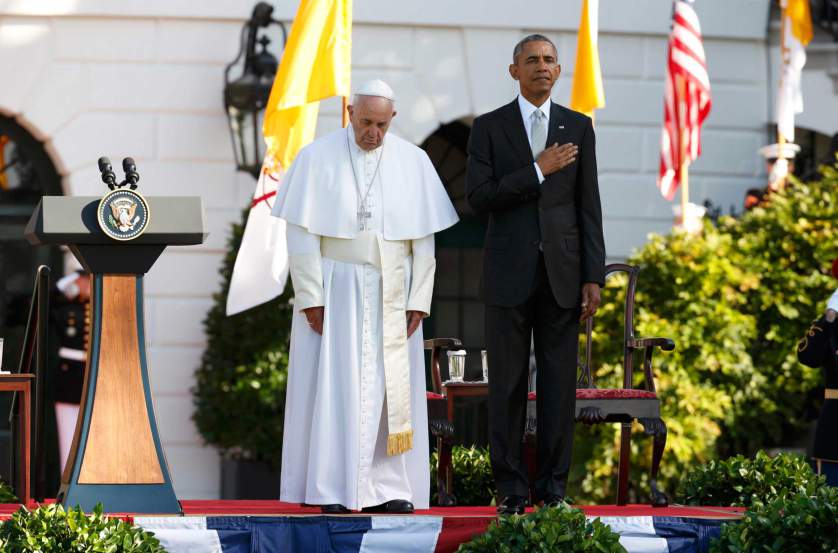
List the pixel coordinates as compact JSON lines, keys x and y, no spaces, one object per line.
{"x":736,"y":299}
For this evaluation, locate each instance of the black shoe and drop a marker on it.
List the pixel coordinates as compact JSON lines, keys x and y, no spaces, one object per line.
{"x":334,"y":509}
{"x":512,"y":505}
{"x":394,"y":507}
{"x":553,"y":500}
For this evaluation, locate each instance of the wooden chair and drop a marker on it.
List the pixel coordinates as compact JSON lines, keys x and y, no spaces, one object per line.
{"x":624,"y":405}
{"x":441,"y":427}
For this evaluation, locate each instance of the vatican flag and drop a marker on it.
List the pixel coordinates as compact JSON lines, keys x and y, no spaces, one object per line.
{"x":315,"y":65}
{"x":797,"y":32}
{"x":587,"y":93}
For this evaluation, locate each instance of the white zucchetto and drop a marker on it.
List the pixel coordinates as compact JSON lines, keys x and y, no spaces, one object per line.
{"x":376,"y":87}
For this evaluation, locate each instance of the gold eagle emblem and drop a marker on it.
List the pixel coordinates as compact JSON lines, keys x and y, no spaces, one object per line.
{"x":124,"y":210}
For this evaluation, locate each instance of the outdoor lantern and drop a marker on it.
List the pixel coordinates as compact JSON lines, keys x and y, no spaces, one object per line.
{"x":245,"y":98}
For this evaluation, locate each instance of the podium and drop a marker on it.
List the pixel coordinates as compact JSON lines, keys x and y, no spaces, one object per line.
{"x":116,"y":457}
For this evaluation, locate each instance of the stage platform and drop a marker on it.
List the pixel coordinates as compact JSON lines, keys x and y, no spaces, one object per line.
{"x":251,"y":526}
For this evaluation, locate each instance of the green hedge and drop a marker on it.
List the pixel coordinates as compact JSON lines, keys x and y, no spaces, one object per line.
{"x":735,"y":298}
{"x":744,"y":482}
{"x":797,"y":522}
{"x":561,"y":528}
{"x":51,"y":529}
{"x":473,"y":481}
{"x":239,"y":395}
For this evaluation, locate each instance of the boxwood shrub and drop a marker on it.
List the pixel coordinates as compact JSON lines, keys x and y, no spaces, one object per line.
{"x":51,"y":529}
{"x":561,"y":528}
{"x":796,"y":522}
{"x":7,"y":494}
{"x":473,"y":481}
{"x":745,"y":482}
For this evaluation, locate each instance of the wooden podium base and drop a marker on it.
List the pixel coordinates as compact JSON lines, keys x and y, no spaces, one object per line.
{"x":116,"y":458}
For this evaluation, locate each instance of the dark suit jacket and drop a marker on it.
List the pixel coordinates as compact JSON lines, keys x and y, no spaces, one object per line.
{"x":563,"y":213}
{"x":819,"y":348}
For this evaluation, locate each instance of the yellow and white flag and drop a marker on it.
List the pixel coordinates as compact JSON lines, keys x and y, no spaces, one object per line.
{"x":587,"y":93}
{"x":797,"y":32}
{"x":316,"y":65}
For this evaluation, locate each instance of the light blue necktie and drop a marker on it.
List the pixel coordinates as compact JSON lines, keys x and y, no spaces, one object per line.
{"x":539,"y":133}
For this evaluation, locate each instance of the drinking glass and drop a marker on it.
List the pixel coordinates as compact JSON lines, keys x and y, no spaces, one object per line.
{"x":456,"y":365}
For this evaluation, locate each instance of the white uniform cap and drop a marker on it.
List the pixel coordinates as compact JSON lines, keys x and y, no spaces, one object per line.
{"x":376,"y":87}
{"x":772,"y":151}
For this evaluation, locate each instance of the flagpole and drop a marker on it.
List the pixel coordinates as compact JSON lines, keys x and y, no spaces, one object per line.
{"x":684,"y":173}
{"x":345,"y":113}
{"x":781,"y":138}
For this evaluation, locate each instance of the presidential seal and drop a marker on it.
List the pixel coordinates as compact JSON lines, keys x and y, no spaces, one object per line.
{"x":123,"y":214}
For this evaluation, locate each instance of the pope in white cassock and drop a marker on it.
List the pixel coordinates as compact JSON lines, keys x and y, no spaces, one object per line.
{"x":361,"y":208}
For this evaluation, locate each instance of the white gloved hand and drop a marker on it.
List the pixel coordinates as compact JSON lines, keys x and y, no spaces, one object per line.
{"x":779,"y":171}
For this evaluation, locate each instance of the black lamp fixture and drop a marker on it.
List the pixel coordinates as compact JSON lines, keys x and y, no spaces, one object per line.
{"x":245,"y":98}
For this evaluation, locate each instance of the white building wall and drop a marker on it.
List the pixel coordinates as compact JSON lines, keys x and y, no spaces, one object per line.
{"x":118,"y":78}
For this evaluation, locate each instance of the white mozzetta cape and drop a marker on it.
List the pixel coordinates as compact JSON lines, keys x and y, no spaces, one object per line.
{"x":319,"y":193}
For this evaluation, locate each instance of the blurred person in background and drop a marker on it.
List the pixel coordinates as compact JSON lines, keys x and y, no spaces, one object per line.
{"x":819,"y":348}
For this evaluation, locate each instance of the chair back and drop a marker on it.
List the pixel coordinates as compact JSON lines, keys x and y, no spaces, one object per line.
{"x":586,"y":378}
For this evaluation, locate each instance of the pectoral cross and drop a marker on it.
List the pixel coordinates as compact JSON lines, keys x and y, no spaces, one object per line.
{"x":364,"y":214}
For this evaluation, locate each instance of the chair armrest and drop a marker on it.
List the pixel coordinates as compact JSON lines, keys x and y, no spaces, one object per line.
{"x":666,"y":344}
{"x":649,"y":345}
{"x":443,"y":343}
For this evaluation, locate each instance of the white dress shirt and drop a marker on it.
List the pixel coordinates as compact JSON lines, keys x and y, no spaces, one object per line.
{"x":527,"y":109}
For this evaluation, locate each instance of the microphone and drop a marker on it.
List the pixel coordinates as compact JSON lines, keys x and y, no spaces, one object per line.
{"x":132,"y":177}
{"x":108,"y":176}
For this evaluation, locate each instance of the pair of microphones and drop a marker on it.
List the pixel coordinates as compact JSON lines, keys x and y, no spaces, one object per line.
{"x":132,"y":177}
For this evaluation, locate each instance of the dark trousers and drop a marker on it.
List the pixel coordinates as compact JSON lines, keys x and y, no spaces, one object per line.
{"x":555,"y":331}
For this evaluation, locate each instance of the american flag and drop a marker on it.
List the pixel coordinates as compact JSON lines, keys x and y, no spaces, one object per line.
{"x":686,"y":98}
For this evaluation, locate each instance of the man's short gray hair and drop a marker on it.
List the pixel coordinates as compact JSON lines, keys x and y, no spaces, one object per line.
{"x":531,"y":38}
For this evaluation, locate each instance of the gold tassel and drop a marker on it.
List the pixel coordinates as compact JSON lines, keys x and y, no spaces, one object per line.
{"x":400,"y":442}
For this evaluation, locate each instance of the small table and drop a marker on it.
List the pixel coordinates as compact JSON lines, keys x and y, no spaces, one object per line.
{"x":21,"y":383}
{"x":453,"y":390}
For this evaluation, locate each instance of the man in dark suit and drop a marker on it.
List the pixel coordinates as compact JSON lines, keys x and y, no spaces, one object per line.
{"x":532,"y":168}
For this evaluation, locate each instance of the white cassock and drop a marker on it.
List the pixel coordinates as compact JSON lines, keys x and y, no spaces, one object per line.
{"x":339,"y":428}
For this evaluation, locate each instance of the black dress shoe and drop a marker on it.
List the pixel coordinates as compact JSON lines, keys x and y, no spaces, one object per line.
{"x":334,"y":509}
{"x":553,"y":500}
{"x":512,"y":505}
{"x":394,"y":507}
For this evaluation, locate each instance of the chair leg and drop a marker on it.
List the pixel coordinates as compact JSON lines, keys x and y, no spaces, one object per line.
{"x":444,"y":475}
{"x":531,"y":452}
{"x":659,"y":498}
{"x":625,"y":455}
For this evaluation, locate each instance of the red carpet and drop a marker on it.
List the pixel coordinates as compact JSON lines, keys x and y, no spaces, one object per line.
{"x":197,"y":507}
{"x":201,"y":507}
